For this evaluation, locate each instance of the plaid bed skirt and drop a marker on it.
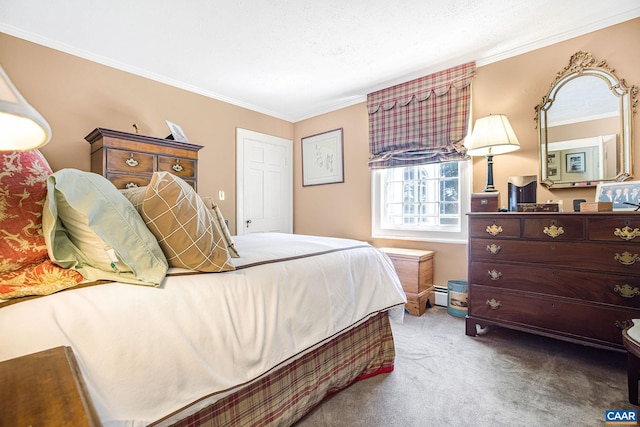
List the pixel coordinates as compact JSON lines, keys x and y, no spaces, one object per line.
{"x":284,"y":396}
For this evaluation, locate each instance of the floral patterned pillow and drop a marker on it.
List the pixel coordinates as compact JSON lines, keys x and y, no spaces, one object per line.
{"x":23,"y":189}
{"x":40,"y":279}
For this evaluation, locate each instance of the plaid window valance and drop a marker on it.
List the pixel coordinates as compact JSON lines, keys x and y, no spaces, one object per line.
{"x":421,"y":121}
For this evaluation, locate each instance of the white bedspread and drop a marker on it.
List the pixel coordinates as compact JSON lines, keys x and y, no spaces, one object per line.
{"x":146,"y":352}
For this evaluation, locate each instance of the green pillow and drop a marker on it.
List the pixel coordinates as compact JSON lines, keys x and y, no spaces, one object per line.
{"x":91,"y":227}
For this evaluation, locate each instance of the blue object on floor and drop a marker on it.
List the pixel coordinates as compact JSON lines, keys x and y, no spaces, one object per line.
{"x":457,"y":294}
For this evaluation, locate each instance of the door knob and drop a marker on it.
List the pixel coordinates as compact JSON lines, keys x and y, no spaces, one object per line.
{"x":248,"y":222}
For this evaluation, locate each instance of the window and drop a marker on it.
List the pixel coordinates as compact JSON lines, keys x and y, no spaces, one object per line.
{"x":425,"y":202}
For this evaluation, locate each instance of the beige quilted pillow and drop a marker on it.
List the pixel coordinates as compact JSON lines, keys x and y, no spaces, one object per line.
{"x":186,"y":231}
{"x":217,"y":215}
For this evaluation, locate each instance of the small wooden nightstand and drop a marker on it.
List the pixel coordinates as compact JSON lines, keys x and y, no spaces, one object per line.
{"x":45,"y":388}
{"x":415,"y":269}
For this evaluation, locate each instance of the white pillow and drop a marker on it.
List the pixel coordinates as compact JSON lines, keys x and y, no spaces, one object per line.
{"x":91,"y":227}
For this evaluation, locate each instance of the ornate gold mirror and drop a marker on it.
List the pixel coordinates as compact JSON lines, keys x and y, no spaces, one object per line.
{"x":584,"y":125}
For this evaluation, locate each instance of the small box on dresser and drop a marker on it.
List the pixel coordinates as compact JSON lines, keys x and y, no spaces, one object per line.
{"x":596,"y":207}
{"x":485,"y":202}
{"x":415,"y":270}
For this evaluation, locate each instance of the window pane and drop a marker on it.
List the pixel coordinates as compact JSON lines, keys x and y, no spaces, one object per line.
{"x":449,"y":189}
{"x":394,"y":192}
{"x":449,"y":169}
{"x":425,"y":196}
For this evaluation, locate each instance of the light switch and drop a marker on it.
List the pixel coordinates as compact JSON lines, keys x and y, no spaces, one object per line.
{"x":220,"y":195}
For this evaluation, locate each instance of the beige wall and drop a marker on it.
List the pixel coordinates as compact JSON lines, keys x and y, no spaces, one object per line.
{"x":513,"y":87}
{"x":516,"y":85}
{"x":607,"y":126}
{"x":77,"y":95}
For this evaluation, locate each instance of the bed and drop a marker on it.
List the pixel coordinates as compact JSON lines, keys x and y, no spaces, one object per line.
{"x":261,"y":339}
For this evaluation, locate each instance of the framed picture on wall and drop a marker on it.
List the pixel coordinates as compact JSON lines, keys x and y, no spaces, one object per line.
{"x":322,"y":161}
{"x":551,"y":158}
{"x":575,"y":162}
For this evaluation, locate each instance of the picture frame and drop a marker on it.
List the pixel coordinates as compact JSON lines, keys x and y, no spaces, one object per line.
{"x":551,"y":158}
{"x":575,"y":162}
{"x":322,"y":158}
{"x":176,"y":132}
{"x":624,"y":195}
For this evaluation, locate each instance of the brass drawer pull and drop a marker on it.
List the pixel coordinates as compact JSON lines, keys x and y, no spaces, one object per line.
{"x":131,"y":185}
{"x":494,"y":274}
{"x":494,"y":229}
{"x":493,"y":249}
{"x":493,"y":304}
{"x":627,"y":233}
{"x":177,"y":166}
{"x":552,"y":230}
{"x":131,"y":161}
{"x":626,"y":258}
{"x":626,"y":291}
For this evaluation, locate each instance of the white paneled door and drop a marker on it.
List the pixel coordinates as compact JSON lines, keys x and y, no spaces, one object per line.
{"x":264,"y":183}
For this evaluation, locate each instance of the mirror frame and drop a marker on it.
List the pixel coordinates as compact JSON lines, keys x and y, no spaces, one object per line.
{"x":583,"y":64}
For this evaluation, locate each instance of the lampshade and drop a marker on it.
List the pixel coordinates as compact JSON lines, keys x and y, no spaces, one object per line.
{"x":22,"y":128}
{"x":492,"y":135}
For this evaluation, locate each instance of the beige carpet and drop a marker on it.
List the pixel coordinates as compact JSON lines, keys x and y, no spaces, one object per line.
{"x":503,"y":378}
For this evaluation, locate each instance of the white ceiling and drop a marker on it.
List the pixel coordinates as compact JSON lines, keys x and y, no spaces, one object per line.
{"x":295,"y":59}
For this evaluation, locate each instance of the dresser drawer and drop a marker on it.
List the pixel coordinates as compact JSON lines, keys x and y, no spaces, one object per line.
{"x":602,"y":258}
{"x":498,"y":226}
{"x":184,"y":168}
{"x":554,"y":228}
{"x":129,"y":162}
{"x":620,"y":229}
{"x":558,"y":316}
{"x":128,"y":181}
{"x":607,"y":288}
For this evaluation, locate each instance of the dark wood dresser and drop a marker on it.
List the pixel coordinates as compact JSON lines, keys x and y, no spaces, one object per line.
{"x":572,"y":276}
{"x":129,"y":160}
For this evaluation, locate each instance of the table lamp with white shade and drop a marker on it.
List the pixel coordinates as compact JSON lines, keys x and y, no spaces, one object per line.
{"x":492,"y":135}
{"x":22,"y":128}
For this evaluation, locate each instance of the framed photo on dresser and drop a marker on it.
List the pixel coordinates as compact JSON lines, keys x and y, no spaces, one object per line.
{"x":176,"y":132}
{"x":625,"y":195}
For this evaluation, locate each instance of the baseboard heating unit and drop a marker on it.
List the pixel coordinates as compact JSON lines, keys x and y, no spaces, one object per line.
{"x":441,"y":295}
